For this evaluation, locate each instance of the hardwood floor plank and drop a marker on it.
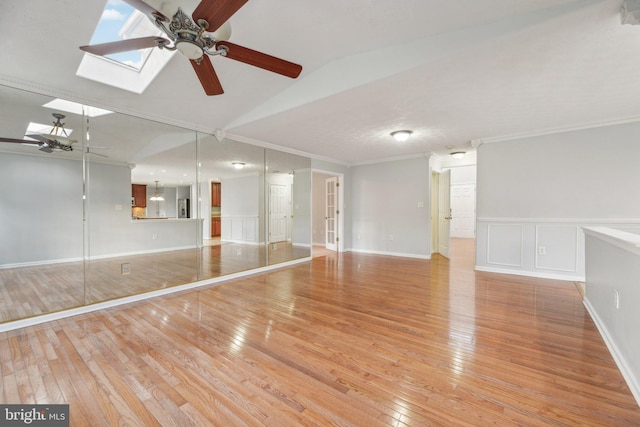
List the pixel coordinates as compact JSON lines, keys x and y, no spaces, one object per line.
{"x":349,"y":340}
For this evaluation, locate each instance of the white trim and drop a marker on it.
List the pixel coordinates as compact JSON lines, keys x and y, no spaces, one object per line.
{"x":36,"y":320}
{"x":561,"y":129}
{"x":97,"y":257}
{"x":529,"y":273}
{"x":39,"y":263}
{"x":163,"y":220}
{"x":627,"y":241}
{"x":627,"y":373}
{"x":223,"y":134}
{"x":301,"y":245}
{"x":391,"y":159}
{"x":397,"y":254}
{"x":134,"y":253}
{"x":564,"y":220}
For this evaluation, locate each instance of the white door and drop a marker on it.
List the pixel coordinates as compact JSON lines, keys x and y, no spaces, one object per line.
{"x":463,"y":209}
{"x":444,"y":213}
{"x":277,"y":213}
{"x":331,"y":213}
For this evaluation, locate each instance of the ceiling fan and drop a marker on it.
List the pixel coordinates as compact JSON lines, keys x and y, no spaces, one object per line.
{"x":194,"y":39}
{"x":56,"y":139}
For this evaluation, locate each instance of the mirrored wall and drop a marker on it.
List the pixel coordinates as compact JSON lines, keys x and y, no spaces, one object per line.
{"x":107,"y":205}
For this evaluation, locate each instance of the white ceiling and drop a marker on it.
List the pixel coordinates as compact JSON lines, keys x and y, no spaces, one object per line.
{"x":453,"y":71}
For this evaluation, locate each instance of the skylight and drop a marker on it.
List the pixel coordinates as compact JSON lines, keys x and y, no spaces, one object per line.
{"x":40,"y":129}
{"x":75,"y":108}
{"x":119,"y":21}
{"x":133,"y":70}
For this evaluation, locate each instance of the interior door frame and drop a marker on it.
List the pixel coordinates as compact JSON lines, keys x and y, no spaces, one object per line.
{"x":340,"y":203}
{"x":332,"y":214}
{"x":444,"y":213}
{"x":438,"y":213}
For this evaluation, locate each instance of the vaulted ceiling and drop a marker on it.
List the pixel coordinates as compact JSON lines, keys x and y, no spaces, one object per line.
{"x":451,"y":71}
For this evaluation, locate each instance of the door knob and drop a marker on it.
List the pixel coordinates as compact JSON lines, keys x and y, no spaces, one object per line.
{"x":448,"y":217}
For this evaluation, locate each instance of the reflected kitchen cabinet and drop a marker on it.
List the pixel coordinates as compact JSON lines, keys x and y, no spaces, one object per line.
{"x":216,"y":193}
{"x":139,"y":195}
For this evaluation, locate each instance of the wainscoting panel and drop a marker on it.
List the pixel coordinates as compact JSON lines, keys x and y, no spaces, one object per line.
{"x":508,"y":251}
{"x":557,"y":247}
{"x":551,"y":248}
{"x":240,"y":229}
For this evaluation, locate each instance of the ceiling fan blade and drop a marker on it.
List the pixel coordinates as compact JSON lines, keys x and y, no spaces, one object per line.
{"x":145,"y":8}
{"x":124,"y":45}
{"x":43,"y":139}
{"x":216,"y":12}
{"x":207,"y":75}
{"x":18,"y":141}
{"x":260,"y":60}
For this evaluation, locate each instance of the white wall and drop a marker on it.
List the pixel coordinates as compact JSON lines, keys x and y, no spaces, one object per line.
{"x":613,"y":266}
{"x":301,"y":205}
{"x":386,"y":218}
{"x":41,"y":212}
{"x":240,"y":208}
{"x":41,"y":201}
{"x":535,"y":194}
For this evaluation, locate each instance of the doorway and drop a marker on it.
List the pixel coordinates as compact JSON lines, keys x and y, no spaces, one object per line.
{"x":327,"y":215}
{"x":441,"y":212}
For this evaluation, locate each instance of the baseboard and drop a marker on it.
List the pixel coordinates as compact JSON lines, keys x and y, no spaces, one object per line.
{"x":537,"y":274}
{"x":627,"y":373}
{"x":95,"y":257}
{"x":397,"y":254}
{"x":39,"y":263}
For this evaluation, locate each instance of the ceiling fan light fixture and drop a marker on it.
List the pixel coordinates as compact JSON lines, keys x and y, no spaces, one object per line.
{"x":458,"y":154}
{"x":238,"y":165}
{"x":401,"y":135}
{"x":190,"y":49}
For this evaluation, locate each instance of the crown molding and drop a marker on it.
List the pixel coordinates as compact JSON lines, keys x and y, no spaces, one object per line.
{"x":561,"y":129}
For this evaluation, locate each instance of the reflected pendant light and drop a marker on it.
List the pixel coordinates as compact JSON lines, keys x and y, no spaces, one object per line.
{"x":157,"y":197}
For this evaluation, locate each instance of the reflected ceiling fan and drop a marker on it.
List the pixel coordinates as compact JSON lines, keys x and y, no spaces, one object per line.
{"x":193,"y":37}
{"x":56,"y":139}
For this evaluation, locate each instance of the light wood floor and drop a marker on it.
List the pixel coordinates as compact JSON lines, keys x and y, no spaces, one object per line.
{"x":345,"y":339}
{"x":34,"y":290}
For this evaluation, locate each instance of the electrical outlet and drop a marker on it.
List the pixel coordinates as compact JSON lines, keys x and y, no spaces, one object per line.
{"x":125,"y":268}
{"x":421,"y":204}
{"x":390,"y":236}
{"x":154,"y":237}
{"x":542,"y":250}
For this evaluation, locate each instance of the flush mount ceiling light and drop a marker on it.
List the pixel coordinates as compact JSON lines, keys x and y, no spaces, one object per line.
{"x":156,"y":196}
{"x":458,"y":154}
{"x":401,"y":135}
{"x":238,"y":165}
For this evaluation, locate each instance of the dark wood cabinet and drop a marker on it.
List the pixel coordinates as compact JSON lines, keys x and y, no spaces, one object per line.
{"x":139,"y":195}
{"x":216,"y":226}
{"x":216,"y":193}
